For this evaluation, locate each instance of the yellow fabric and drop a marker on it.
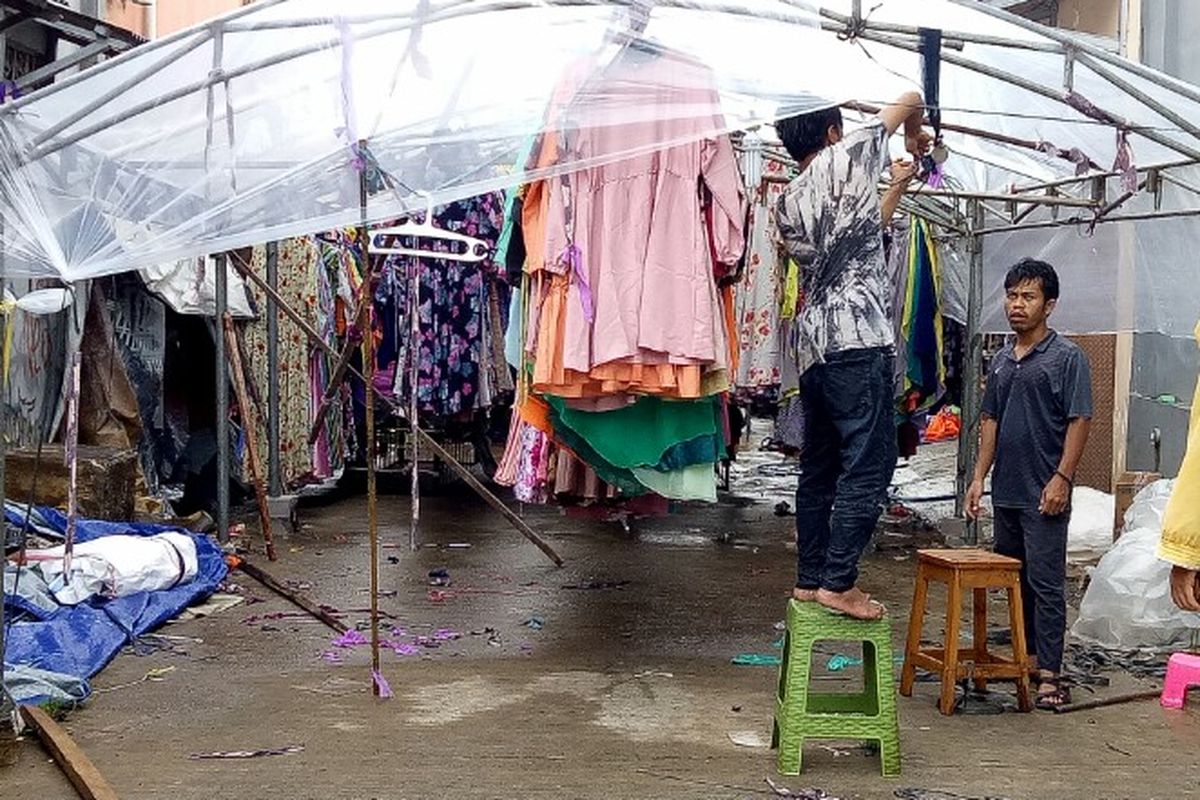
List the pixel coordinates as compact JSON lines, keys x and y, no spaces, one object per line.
{"x":1181,"y":523}
{"x":791,"y":291}
{"x":6,"y":308}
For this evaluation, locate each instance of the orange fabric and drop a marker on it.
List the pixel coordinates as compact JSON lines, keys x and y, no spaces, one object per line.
{"x":944,"y":426}
{"x":536,"y":412}
{"x":731,"y":328}
{"x":618,"y":377}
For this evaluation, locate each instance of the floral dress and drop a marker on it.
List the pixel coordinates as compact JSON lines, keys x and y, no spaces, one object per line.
{"x":455,"y":298}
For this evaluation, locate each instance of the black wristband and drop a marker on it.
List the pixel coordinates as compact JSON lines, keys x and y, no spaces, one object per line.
{"x":1062,"y":475}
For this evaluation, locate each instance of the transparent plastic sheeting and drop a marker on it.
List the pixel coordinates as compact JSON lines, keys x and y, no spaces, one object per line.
{"x":243,"y":130}
{"x":1140,"y":275}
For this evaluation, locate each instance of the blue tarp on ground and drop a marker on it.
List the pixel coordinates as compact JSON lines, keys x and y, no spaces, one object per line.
{"x":80,"y":640}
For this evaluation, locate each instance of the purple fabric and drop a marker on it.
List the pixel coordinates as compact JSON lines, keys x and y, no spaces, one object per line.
{"x":1124,"y":163}
{"x":385,"y":688}
{"x":573,"y":258}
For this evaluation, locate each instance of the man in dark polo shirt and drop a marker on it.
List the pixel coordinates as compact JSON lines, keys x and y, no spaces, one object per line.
{"x":1036,"y":413}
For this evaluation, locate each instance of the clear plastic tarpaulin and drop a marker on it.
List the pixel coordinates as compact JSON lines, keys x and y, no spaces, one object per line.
{"x":255,"y":126}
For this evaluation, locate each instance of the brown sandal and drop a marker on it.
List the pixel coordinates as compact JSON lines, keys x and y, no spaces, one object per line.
{"x":1055,"y":698}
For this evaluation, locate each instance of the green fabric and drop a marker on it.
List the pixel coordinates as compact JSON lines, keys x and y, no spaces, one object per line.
{"x":619,"y":477}
{"x":706,"y":450}
{"x":642,"y":435}
{"x":697,"y":482}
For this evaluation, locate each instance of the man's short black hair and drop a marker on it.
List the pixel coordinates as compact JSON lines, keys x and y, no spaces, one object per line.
{"x":805,"y":134}
{"x":1030,"y":269}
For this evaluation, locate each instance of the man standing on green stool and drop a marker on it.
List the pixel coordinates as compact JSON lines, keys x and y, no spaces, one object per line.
{"x":830,"y":221}
{"x":1036,"y":414}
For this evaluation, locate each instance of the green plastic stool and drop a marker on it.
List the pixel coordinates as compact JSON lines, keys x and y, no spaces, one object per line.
{"x":801,"y":714}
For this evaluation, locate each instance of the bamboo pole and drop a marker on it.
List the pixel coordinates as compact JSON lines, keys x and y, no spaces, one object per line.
{"x":243,"y":399}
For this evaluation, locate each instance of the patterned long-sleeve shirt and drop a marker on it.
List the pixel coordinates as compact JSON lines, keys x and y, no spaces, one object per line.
{"x":830,"y":222}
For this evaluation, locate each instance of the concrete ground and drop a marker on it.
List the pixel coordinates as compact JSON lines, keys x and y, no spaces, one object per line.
{"x":608,"y":678}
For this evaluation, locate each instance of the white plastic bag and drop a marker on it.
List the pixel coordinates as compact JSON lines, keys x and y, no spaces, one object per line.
{"x":116,"y":566}
{"x":1128,"y":602}
{"x":1091,"y":532}
{"x":1148,"y":506}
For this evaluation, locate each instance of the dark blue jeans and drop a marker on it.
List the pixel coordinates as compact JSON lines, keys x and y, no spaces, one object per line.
{"x":1040,"y":542}
{"x":846,"y":464}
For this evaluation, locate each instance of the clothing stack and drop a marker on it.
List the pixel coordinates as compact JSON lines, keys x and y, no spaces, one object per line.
{"x":629,"y":346}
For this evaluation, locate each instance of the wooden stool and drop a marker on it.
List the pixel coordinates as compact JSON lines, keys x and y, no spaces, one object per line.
{"x":978,"y":570}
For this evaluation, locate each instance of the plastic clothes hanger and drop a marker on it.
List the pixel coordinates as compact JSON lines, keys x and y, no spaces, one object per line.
{"x":473,"y":250}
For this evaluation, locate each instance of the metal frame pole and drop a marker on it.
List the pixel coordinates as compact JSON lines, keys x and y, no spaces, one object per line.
{"x":274,"y":474}
{"x":7,"y":710}
{"x":368,"y":356}
{"x":221,"y":374}
{"x":968,"y":440}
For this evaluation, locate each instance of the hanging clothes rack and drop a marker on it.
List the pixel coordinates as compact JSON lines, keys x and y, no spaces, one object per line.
{"x":472,"y":251}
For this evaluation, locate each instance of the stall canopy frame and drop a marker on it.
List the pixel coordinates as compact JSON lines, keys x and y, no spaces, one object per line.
{"x":1158,"y":121}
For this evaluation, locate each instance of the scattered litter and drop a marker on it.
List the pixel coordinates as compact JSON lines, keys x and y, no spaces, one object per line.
{"x":757,"y":660}
{"x":275,"y":616}
{"x":331,"y":657}
{"x":781,"y":625}
{"x":493,"y":636}
{"x":534,"y":623}
{"x":749,"y":739}
{"x":778,"y":643}
{"x":840,"y":662}
{"x":149,"y":644}
{"x":526,"y":648}
{"x":837,"y":752}
{"x":214,"y":605}
{"x":653,"y":674}
{"x":459,"y":546}
{"x":783,"y":509}
{"x":736,"y":709}
{"x":298,"y":586}
{"x":237,"y":531}
{"x":1116,"y":749}
{"x":438,"y":577}
{"x":276,"y":751}
{"x":596,"y":585}
{"x":381,"y":684}
{"x":393,"y":559}
{"x":984,"y":704}
{"x":350,"y":638}
{"x":440,"y":595}
{"x":933,"y":794}
{"x":152,"y":675}
{"x":800,"y":794}
{"x":446,"y":635}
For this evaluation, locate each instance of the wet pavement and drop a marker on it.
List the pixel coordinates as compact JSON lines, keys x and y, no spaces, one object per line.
{"x":610,"y":677}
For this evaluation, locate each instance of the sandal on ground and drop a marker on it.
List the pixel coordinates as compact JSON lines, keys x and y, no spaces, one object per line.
{"x":1055,"y":698}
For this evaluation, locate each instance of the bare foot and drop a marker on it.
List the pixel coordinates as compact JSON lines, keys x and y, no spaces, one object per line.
{"x":804,"y":595}
{"x":853,"y":602}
